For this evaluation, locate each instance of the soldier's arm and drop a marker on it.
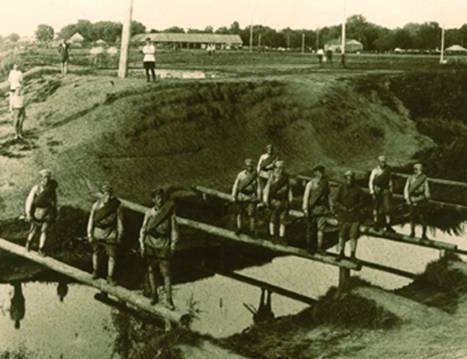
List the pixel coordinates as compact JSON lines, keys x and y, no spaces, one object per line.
{"x":338,"y":200}
{"x":30,"y":201}
{"x":427,"y":190}
{"x":267,"y":190}
{"x":174,"y":232}
{"x":119,"y":223}
{"x":260,"y":161}
{"x":143,"y":230}
{"x":406,"y":190}
{"x":391,"y":183}
{"x":91,"y":222}
{"x":290,"y":194}
{"x":371,"y":182}
{"x":235,"y":188}
{"x":306,"y":197}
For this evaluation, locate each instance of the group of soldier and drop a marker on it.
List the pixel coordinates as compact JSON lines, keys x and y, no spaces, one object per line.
{"x":269,"y":185}
{"x":266,"y":185}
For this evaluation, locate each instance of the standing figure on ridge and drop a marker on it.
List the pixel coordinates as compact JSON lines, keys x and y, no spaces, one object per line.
{"x":64,"y":51}
{"x":266,"y":166}
{"x":149,"y":60}
{"x":417,"y":195}
{"x":105,"y":231}
{"x":316,"y":207}
{"x":246,"y":193}
{"x":278,"y":196}
{"x":381,"y":188}
{"x":41,"y":209}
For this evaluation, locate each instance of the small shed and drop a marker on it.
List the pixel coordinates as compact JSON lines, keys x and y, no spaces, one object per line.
{"x":351,"y":45}
{"x":456,"y":49}
{"x":76,"y":38}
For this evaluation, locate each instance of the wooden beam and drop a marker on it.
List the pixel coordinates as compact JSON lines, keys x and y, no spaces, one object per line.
{"x":242,"y":238}
{"x":441,"y":204}
{"x":407,"y":239}
{"x":121,"y":293}
{"x":270,"y":287}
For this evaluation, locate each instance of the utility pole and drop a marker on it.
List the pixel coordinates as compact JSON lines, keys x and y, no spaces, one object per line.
{"x":288,"y":40}
{"x":126,"y":31}
{"x":303,"y":43}
{"x":251,"y":37}
{"x":259,"y":40}
{"x":317,"y":39}
{"x":343,"y":36}
{"x":442,"y":60}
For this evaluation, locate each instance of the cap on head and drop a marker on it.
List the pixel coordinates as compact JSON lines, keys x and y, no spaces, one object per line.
{"x":249,"y":162}
{"x":107,"y":188}
{"x":349,"y":174}
{"x":280,"y":164}
{"x":418,"y":166}
{"x":382,"y":159}
{"x":319,"y":168}
{"x":148,"y":39}
{"x":45,"y":173}
{"x":158,"y":192}
{"x":269,"y":147}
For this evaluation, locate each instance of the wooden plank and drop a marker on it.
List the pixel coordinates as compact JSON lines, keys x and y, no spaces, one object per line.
{"x":407,"y":239}
{"x":242,"y":238}
{"x":86,"y":278}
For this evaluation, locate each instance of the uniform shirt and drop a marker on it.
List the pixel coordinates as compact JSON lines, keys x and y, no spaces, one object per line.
{"x":284,"y":193}
{"x":149,"y":53}
{"x":239,"y":181}
{"x":316,"y":188}
{"x":423,"y":191}
{"x":15,"y":79}
{"x":35,"y":191}
{"x":167,"y":226}
{"x":376,"y":172}
{"x":349,"y":202}
{"x":106,"y":232}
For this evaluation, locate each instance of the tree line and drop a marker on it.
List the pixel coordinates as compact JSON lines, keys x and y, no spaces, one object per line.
{"x":425,"y":36}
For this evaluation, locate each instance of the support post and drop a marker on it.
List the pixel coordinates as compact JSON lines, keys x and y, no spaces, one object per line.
{"x":251,"y":38}
{"x":343,"y":37}
{"x":126,"y":31}
{"x":442,"y":60}
{"x":303,"y":43}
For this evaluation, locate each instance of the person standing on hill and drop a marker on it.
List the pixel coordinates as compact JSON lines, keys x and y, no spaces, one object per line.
{"x":158,"y":238}
{"x":316,"y":206}
{"x":245,"y":193}
{"x":381,"y":188}
{"x":417,"y":195}
{"x":19,"y":112}
{"x":349,"y":202}
{"x":41,"y":209}
{"x":149,"y":60}
{"x":278,"y":196}
{"x":64,"y":51}
{"x":105,"y":230}
{"x":266,"y":166}
{"x":15,"y":80}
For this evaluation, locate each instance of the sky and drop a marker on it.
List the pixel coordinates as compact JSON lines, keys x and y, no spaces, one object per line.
{"x":23,"y":16}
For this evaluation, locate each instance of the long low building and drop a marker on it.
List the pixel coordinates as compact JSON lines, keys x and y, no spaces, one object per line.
{"x":195,"y":40}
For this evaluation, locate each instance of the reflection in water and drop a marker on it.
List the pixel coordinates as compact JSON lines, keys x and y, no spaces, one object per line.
{"x":17,"y":305}
{"x":62,"y":290}
{"x":264,"y":312}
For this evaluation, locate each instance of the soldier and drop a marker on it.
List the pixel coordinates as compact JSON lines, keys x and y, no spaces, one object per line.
{"x":245,"y":193}
{"x":266,"y":165}
{"x":349,"y":201}
{"x":380,"y":186}
{"x":158,"y":238}
{"x":316,"y":206}
{"x":105,"y":230}
{"x":41,"y":209}
{"x":277,"y":197}
{"x":417,"y":195}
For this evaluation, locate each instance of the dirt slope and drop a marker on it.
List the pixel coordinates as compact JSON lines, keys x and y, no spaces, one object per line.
{"x":137,"y":136}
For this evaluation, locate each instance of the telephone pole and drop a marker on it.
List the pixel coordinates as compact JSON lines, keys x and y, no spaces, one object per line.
{"x":126,"y":32}
{"x":303,"y":43}
{"x":441,"y":60}
{"x":344,"y":40}
{"x":251,"y":38}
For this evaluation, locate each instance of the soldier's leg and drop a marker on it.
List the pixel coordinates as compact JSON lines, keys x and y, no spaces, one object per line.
{"x":34,"y":229}
{"x":343,"y":233}
{"x":308,"y":235}
{"x":152,"y":280}
{"x":251,"y":212}
{"x":22,"y":117}
{"x":387,"y":210}
{"x":321,"y":224}
{"x":95,"y":260}
{"x":239,"y":209}
{"x":413,"y":218}
{"x":282,"y":220}
{"x":354,"y":233}
{"x":43,"y":236}
{"x":273,"y":219}
{"x":375,"y":210}
{"x":165,"y":271}
{"x":423,"y":219}
{"x":111,"y":263}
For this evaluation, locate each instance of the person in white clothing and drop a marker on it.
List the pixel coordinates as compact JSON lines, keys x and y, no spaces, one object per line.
{"x":149,"y":61}
{"x":15,"y":79}
{"x":19,"y":111}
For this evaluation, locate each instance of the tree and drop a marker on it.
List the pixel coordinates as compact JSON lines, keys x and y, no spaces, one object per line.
{"x":13,"y":37}
{"x":222,"y":30}
{"x":403,"y":39}
{"x":235,"y":28}
{"x":385,"y":40}
{"x":137,"y":28}
{"x":175,"y":29}
{"x":45,"y":33}
{"x":429,"y":36}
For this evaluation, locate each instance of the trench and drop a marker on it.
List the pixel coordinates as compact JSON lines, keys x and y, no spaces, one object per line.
{"x":54,"y":317}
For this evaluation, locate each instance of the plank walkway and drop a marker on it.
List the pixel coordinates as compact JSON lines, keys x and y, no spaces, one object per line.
{"x":121,"y":293}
